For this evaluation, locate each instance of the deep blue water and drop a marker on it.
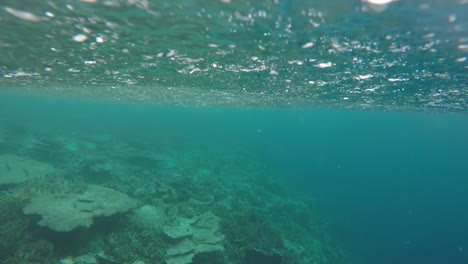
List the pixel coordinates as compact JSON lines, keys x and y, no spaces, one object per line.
{"x":391,"y":184}
{"x":394,"y":183}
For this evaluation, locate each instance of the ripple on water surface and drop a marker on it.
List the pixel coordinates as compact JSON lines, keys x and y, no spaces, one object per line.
{"x":368,"y":54}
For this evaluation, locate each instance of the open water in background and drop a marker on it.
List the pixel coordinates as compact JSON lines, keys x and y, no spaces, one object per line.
{"x":375,"y":124}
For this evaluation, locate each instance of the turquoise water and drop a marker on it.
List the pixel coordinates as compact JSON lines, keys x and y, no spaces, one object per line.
{"x":390,"y":185}
{"x":243,"y":132}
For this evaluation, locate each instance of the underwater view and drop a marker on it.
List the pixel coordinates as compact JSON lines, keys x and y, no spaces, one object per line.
{"x":233,"y":132}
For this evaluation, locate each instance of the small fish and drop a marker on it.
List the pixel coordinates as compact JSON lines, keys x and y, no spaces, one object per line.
{"x":26,"y":172}
{"x":7,"y":167}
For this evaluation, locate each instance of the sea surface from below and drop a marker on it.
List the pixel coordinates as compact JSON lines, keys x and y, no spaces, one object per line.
{"x":340,"y":54}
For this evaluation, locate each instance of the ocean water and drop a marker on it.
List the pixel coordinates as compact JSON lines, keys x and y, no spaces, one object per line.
{"x":233,"y":131}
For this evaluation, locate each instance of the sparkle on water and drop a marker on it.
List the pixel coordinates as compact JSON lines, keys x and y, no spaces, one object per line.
{"x":359,"y":54}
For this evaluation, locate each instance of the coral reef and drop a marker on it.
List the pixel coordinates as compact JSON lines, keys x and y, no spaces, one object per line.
{"x":194,"y":236}
{"x":16,"y":169}
{"x":65,"y":213}
{"x":134,"y":242}
{"x":200,"y":205}
{"x":18,"y":244}
{"x":13,"y":227}
{"x":36,"y":252}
